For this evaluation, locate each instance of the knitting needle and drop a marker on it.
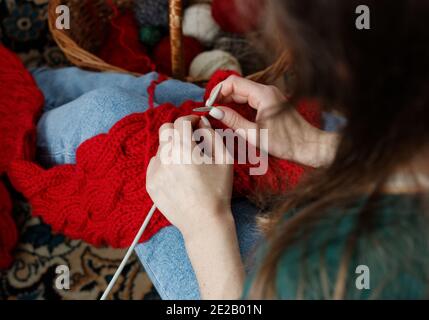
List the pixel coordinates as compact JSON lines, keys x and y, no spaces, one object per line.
{"x":129,"y":252}
{"x":203,"y":109}
{"x":207,"y":108}
{"x":210,"y":102}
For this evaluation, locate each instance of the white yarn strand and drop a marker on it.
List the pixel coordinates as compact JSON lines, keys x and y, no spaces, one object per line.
{"x":129,"y":253}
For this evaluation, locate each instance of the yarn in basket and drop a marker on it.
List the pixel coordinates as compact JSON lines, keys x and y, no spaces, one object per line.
{"x":199,"y":23}
{"x":162,"y":53}
{"x":153,"y":13}
{"x":122,"y":47}
{"x":207,"y":63}
{"x":232,"y":16}
{"x":250,"y":58}
{"x":150,"y":35}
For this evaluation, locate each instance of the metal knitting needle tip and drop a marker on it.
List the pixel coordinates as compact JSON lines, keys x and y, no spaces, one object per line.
{"x":203,"y":109}
{"x":213,"y":96}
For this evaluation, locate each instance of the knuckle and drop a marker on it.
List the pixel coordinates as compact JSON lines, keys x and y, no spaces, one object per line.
{"x":164,"y":127}
{"x":274,"y":93}
{"x":178,"y":121}
{"x":233,"y":78}
{"x":269,"y":90}
{"x":232,"y":81}
{"x":234,"y":120}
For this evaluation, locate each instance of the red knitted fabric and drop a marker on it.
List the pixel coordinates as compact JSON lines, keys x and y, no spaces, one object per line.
{"x":20,"y":103}
{"x":102,"y":199}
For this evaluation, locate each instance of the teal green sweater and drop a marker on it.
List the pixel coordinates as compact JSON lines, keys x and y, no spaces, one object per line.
{"x":393,"y":257}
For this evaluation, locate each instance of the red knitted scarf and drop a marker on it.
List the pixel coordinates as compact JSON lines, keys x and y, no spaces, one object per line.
{"x":103,"y":200}
{"x":20,"y":104}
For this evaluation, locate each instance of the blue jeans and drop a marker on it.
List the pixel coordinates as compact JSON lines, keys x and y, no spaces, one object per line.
{"x":80,"y":105}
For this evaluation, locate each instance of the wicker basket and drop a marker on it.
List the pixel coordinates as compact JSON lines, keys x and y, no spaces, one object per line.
{"x":90,"y":19}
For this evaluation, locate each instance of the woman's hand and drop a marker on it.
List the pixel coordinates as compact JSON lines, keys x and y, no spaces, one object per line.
{"x":290,"y":136}
{"x":190,"y":195}
{"x":196,"y":198}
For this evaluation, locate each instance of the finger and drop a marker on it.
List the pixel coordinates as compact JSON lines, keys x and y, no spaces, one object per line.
{"x":205,"y":123}
{"x":212,"y":145}
{"x":179,"y":123}
{"x":231,"y":118}
{"x":166,"y":134}
{"x":205,"y":138}
{"x":184,"y":127}
{"x":242,"y":91}
{"x":221,"y":153}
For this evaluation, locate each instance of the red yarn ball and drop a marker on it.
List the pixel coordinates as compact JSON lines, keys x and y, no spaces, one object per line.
{"x":122,"y":47}
{"x":236,"y":18}
{"x":162,"y":53}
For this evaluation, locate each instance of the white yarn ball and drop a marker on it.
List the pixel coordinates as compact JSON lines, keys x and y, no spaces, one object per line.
{"x":198,"y":22}
{"x":207,"y":63}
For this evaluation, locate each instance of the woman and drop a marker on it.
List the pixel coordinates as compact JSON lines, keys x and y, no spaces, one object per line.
{"x":364,"y":209}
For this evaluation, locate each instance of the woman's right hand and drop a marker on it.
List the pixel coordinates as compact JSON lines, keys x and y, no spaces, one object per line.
{"x":290,"y":136}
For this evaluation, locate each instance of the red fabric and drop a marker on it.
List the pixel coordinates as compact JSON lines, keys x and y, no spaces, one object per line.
{"x":233,"y":16}
{"x":103,"y":200}
{"x":20,"y":104}
{"x":162,"y":53}
{"x":123,"y":48}
{"x":8,"y":232}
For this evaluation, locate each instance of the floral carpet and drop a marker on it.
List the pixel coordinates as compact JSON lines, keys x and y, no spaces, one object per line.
{"x":23,"y":28}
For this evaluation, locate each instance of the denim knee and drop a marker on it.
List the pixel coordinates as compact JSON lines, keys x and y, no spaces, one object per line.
{"x":62,"y":130}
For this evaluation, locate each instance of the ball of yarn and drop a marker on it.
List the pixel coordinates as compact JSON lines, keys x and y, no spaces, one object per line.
{"x":122,"y":47}
{"x":250,"y":58}
{"x":150,"y":35}
{"x":199,"y":23}
{"x":236,"y":18}
{"x":207,"y":63}
{"x":162,"y":53}
{"x":151,"y":12}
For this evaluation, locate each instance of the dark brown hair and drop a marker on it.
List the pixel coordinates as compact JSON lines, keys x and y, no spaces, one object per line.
{"x":378,"y":79}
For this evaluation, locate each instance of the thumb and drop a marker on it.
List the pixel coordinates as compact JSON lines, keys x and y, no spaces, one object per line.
{"x":231,"y":118}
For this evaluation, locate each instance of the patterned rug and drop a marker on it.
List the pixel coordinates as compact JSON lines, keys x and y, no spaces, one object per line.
{"x":33,"y":274}
{"x":23,"y":28}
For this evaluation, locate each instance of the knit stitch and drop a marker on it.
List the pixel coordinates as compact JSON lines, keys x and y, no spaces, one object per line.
{"x":103,"y":199}
{"x":20,"y":104}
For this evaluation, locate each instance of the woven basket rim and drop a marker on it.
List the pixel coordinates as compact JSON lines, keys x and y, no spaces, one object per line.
{"x":85,"y":59}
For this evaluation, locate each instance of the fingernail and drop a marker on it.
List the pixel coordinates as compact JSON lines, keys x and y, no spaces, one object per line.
{"x":206,"y":122}
{"x":217,"y":113}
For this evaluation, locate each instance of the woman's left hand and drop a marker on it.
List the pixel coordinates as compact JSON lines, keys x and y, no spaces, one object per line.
{"x":190,"y":195}
{"x":196,"y":198}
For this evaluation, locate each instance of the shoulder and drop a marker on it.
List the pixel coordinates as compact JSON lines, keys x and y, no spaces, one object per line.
{"x":391,"y":248}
